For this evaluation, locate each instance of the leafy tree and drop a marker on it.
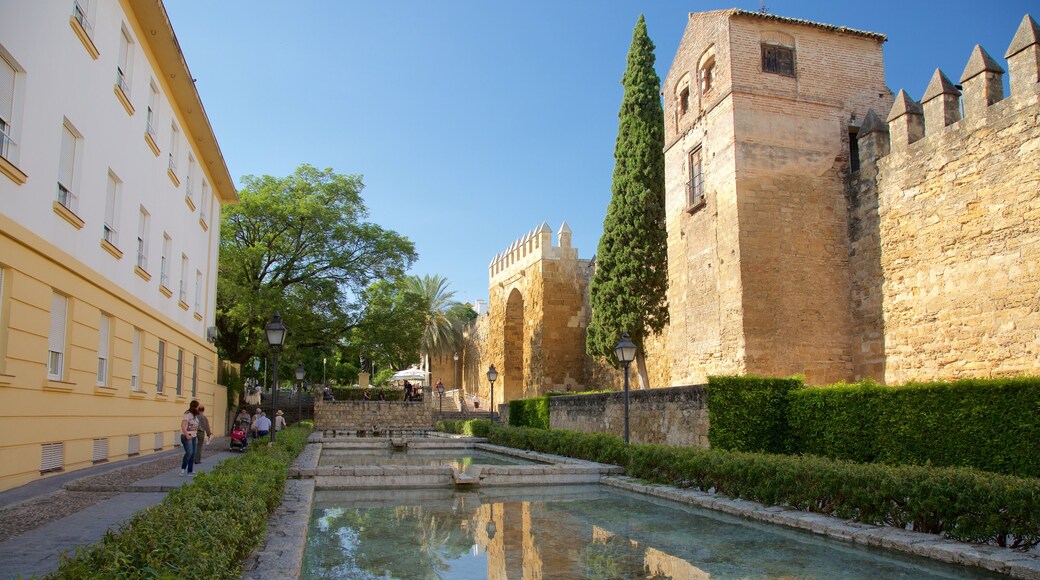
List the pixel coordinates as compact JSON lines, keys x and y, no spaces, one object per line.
{"x":391,"y":324}
{"x":443,"y":317}
{"x":299,"y":245}
{"x":630,"y":284}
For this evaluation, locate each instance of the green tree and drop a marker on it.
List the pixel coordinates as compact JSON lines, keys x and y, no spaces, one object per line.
{"x":391,"y":324}
{"x":443,"y":316}
{"x":299,"y":245}
{"x":629,"y":288}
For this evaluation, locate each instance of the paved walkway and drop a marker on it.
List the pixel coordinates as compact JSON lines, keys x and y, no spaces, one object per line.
{"x":37,"y":552}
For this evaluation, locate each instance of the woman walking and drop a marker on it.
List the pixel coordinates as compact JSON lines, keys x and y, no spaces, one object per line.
{"x":189,"y":438}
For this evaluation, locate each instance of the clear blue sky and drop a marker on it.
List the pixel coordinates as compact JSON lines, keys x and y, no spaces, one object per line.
{"x":474,"y":121}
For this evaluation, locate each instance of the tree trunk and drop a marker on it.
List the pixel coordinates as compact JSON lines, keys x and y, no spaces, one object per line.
{"x":644,"y":378}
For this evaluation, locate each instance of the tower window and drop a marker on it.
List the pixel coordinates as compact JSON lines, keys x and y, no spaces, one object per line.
{"x":778,"y":59}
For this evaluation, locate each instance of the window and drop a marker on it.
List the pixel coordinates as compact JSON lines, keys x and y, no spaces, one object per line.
{"x":198,"y":291}
{"x":8,"y":77}
{"x":160,"y":368}
{"x":195,"y":376}
{"x":164,"y":269}
{"x":204,"y":202}
{"x":778,"y":59}
{"x":180,"y":370}
{"x":684,"y":100}
{"x":142,"y":239}
{"x":52,"y":457}
{"x":853,"y":149}
{"x":67,"y":168}
{"x":695,"y":186}
{"x":158,"y":444}
{"x":152,"y":116}
{"x":104,"y":338}
{"x":80,"y":11}
{"x":183,"y":297}
{"x":126,"y":59}
{"x":109,"y":230}
{"x":706,"y":71}
{"x":135,"y":362}
{"x":174,"y":140}
{"x":133,"y":445}
{"x":56,"y":337}
{"x":189,"y":179}
{"x":100,"y":450}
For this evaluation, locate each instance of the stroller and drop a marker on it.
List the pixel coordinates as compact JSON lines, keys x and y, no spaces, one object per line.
{"x":238,"y":439}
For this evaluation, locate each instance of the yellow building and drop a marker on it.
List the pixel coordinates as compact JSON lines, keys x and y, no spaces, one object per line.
{"x":112,"y":183}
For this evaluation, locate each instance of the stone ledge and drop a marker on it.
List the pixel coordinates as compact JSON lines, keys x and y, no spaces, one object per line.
{"x":995,"y":559}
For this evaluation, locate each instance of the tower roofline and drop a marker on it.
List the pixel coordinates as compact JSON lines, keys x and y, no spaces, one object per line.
{"x":787,"y":20}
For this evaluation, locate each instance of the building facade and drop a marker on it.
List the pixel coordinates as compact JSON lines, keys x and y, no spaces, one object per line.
{"x":818,"y":224}
{"x":112,"y":184}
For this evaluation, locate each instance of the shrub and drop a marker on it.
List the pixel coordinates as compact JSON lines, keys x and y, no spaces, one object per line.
{"x":749,"y":413}
{"x":988,"y":424}
{"x":963,"y":504}
{"x":529,"y":412}
{"x":470,"y":428}
{"x":203,"y":530}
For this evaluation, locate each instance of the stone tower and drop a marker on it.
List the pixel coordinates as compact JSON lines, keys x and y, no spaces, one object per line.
{"x":536,"y":311}
{"x":759,"y":110}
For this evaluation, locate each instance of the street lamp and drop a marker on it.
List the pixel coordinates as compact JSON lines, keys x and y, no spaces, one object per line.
{"x":440,"y":392}
{"x":323,"y":361}
{"x":299,"y":392}
{"x":492,"y":376}
{"x":276,"y":332}
{"x":491,"y":528}
{"x":455,"y":374}
{"x":626,"y":353}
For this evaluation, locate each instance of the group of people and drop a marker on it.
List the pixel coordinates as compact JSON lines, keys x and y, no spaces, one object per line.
{"x":258,"y":424}
{"x":195,"y":432}
{"x":412,"y":392}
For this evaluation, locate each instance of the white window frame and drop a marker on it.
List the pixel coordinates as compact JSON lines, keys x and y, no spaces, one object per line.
{"x":204,"y":200}
{"x":104,"y":344}
{"x":68,"y":160}
{"x":82,"y":11}
{"x":180,"y":372}
{"x":160,"y":368}
{"x":189,"y":179}
{"x":10,"y":100}
{"x":133,"y":445}
{"x":135,"y":362}
{"x":164,"y":267}
{"x":100,"y":451}
{"x":56,"y":338}
{"x":174,"y":147}
{"x":183,"y":297}
{"x":125,"y":63}
{"x":157,"y":445}
{"x":52,"y":457}
{"x":110,"y":229}
{"x":152,"y":116}
{"x":195,"y":376}
{"x":143,"y":226}
{"x":198,"y":290}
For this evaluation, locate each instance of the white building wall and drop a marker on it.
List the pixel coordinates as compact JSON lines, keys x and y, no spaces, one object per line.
{"x":59,"y":80}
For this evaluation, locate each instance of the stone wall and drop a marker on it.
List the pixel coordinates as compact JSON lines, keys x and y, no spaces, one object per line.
{"x":671,"y":416}
{"x":350,"y":415}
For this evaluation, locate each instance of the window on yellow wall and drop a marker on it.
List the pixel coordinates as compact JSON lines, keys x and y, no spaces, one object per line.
{"x":161,"y":368}
{"x":135,"y":362}
{"x":180,"y":371}
{"x":56,"y":337}
{"x":104,"y":337}
{"x":195,"y":376}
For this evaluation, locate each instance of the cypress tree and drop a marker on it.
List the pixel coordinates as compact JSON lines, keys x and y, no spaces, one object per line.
{"x":630,"y":284}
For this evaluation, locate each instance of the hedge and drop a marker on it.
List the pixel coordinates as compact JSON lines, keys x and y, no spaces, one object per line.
{"x":962,"y":504}
{"x":749,"y":413}
{"x":529,"y":412}
{"x":470,"y":427}
{"x":202,"y":530}
{"x":988,"y":424}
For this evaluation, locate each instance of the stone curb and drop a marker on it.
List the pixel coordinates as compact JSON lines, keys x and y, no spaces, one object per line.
{"x":992,"y":558}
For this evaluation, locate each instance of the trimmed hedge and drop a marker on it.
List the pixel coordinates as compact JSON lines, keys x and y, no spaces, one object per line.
{"x":529,"y":413}
{"x":358,"y":394}
{"x":962,"y":504}
{"x":470,"y":427}
{"x":749,"y":413}
{"x":203,"y":530}
{"x":989,"y":424}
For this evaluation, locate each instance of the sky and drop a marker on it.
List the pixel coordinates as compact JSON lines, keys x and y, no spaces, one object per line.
{"x":474,"y":121}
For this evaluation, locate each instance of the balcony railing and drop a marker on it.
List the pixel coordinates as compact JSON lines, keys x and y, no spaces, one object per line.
{"x":172,"y":166}
{"x":8,"y":147}
{"x":81,"y":16}
{"x":109,"y":234}
{"x":695,"y":192}
{"x":148,"y":123}
{"x":183,"y":293}
{"x":66,"y":197}
{"x":121,"y":81}
{"x":142,"y":255}
{"x":164,"y":279}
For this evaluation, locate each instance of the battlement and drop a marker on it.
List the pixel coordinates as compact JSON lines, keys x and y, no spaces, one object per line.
{"x":527,"y":250}
{"x":940,"y":109}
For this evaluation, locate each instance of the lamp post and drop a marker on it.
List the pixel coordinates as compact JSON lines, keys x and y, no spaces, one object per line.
{"x":440,"y":393}
{"x":323,"y":361}
{"x":455,"y":377}
{"x":491,"y":528}
{"x":299,"y":392}
{"x":626,"y":353}
{"x":276,"y":332}
{"x":492,"y":376}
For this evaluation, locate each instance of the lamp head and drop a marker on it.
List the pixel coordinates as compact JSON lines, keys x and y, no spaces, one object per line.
{"x":455,"y":356}
{"x":300,"y":371}
{"x":625,"y":349}
{"x":256,"y":364}
{"x":492,"y":374}
{"x":276,"y":331}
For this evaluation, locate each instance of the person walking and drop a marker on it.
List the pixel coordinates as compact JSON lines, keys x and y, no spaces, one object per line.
{"x":262,"y":425}
{"x":205,"y":434}
{"x":189,"y":437}
{"x":279,"y":421}
{"x":252,"y":425}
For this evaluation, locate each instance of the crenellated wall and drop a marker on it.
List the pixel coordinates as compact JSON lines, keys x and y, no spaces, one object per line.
{"x":955,"y":257}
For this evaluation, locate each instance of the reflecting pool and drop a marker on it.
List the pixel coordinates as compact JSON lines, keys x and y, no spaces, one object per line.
{"x":458,"y":458}
{"x":589,"y":531}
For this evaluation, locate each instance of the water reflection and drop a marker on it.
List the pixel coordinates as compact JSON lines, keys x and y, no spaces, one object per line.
{"x":570,"y":532}
{"x":414,"y":457}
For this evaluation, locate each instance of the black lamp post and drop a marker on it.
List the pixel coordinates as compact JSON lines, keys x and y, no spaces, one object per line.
{"x":276,"y":332}
{"x":626,"y":353}
{"x":299,"y":391}
{"x":492,"y":376}
{"x":455,"y":370}
{"x":440,"y":393}
{"x":491,"y":527}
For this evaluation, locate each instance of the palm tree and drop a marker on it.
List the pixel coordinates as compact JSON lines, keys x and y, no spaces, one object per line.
{"x":442,"y":328}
